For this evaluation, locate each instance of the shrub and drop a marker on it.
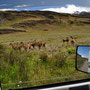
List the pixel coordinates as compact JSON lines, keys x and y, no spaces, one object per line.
{"x":71,"y":50}
{"x":71,"y":22}
{"x":44,"y":57}
{"x":60,"y":59}
{"x":51,"y":17}
{"x":2,"y":50}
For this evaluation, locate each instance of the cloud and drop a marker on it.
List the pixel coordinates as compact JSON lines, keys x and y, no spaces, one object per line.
{"x":83,"y":56}
{"x":8,"y":9}
{"x":22,"y":6}
{"x":70,"y":8}
{"x":42,"y":2}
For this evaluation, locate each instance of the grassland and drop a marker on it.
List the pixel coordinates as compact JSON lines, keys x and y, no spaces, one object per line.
{"x":53,"y":64}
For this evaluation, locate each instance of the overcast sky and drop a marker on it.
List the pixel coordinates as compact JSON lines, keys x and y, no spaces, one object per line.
{"x":66,"y":6}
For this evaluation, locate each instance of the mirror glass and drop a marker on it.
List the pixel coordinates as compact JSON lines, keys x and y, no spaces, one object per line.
{"x":83,"y":58}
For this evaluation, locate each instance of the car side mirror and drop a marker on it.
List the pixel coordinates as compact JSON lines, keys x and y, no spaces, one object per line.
{"x":83,"y":59}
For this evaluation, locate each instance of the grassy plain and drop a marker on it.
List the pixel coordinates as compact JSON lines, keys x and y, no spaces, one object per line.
{"x":53,"y":64}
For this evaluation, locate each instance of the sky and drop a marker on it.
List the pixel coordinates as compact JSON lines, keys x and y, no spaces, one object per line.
{"x":62,"y":6}
{"x":83,"y":51}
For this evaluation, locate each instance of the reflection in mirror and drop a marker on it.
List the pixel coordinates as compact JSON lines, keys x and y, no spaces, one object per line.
{"x":83,"y":58}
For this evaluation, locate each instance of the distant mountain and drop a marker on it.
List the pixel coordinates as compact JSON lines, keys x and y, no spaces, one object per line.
{"x":76,"y":12}
{"x":82,"y":13}
{"x":85,"y":12}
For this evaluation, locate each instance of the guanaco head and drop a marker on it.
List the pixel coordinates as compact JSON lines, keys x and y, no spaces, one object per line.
{"x":34,"y":41}
{"x":71,"y":37}
{"x":21,"y":43}
{"x":29,"y":42}
{"x":10,"y":44}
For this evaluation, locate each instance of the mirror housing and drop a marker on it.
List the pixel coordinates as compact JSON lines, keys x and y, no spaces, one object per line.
{"x":83,"y":59}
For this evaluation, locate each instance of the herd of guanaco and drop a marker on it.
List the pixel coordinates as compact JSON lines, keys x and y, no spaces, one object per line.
{"x":28,"y":45}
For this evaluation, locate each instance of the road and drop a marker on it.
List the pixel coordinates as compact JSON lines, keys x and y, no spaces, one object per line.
{"x":84,"y":67}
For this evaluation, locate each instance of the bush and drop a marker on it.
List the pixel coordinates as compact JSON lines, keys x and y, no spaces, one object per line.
{"x":71,"y":50}
{"x":44,"y":57}
{"x":71,"y":22}
{"x":2,"y":50}
{"x":51,"y":17}
{"x":60,"y":59}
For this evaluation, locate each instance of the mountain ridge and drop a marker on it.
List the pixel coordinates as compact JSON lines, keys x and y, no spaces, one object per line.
{"x":82,"y":13}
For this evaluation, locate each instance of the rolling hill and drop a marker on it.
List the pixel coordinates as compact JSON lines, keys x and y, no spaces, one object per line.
{"x":28,"y":19}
